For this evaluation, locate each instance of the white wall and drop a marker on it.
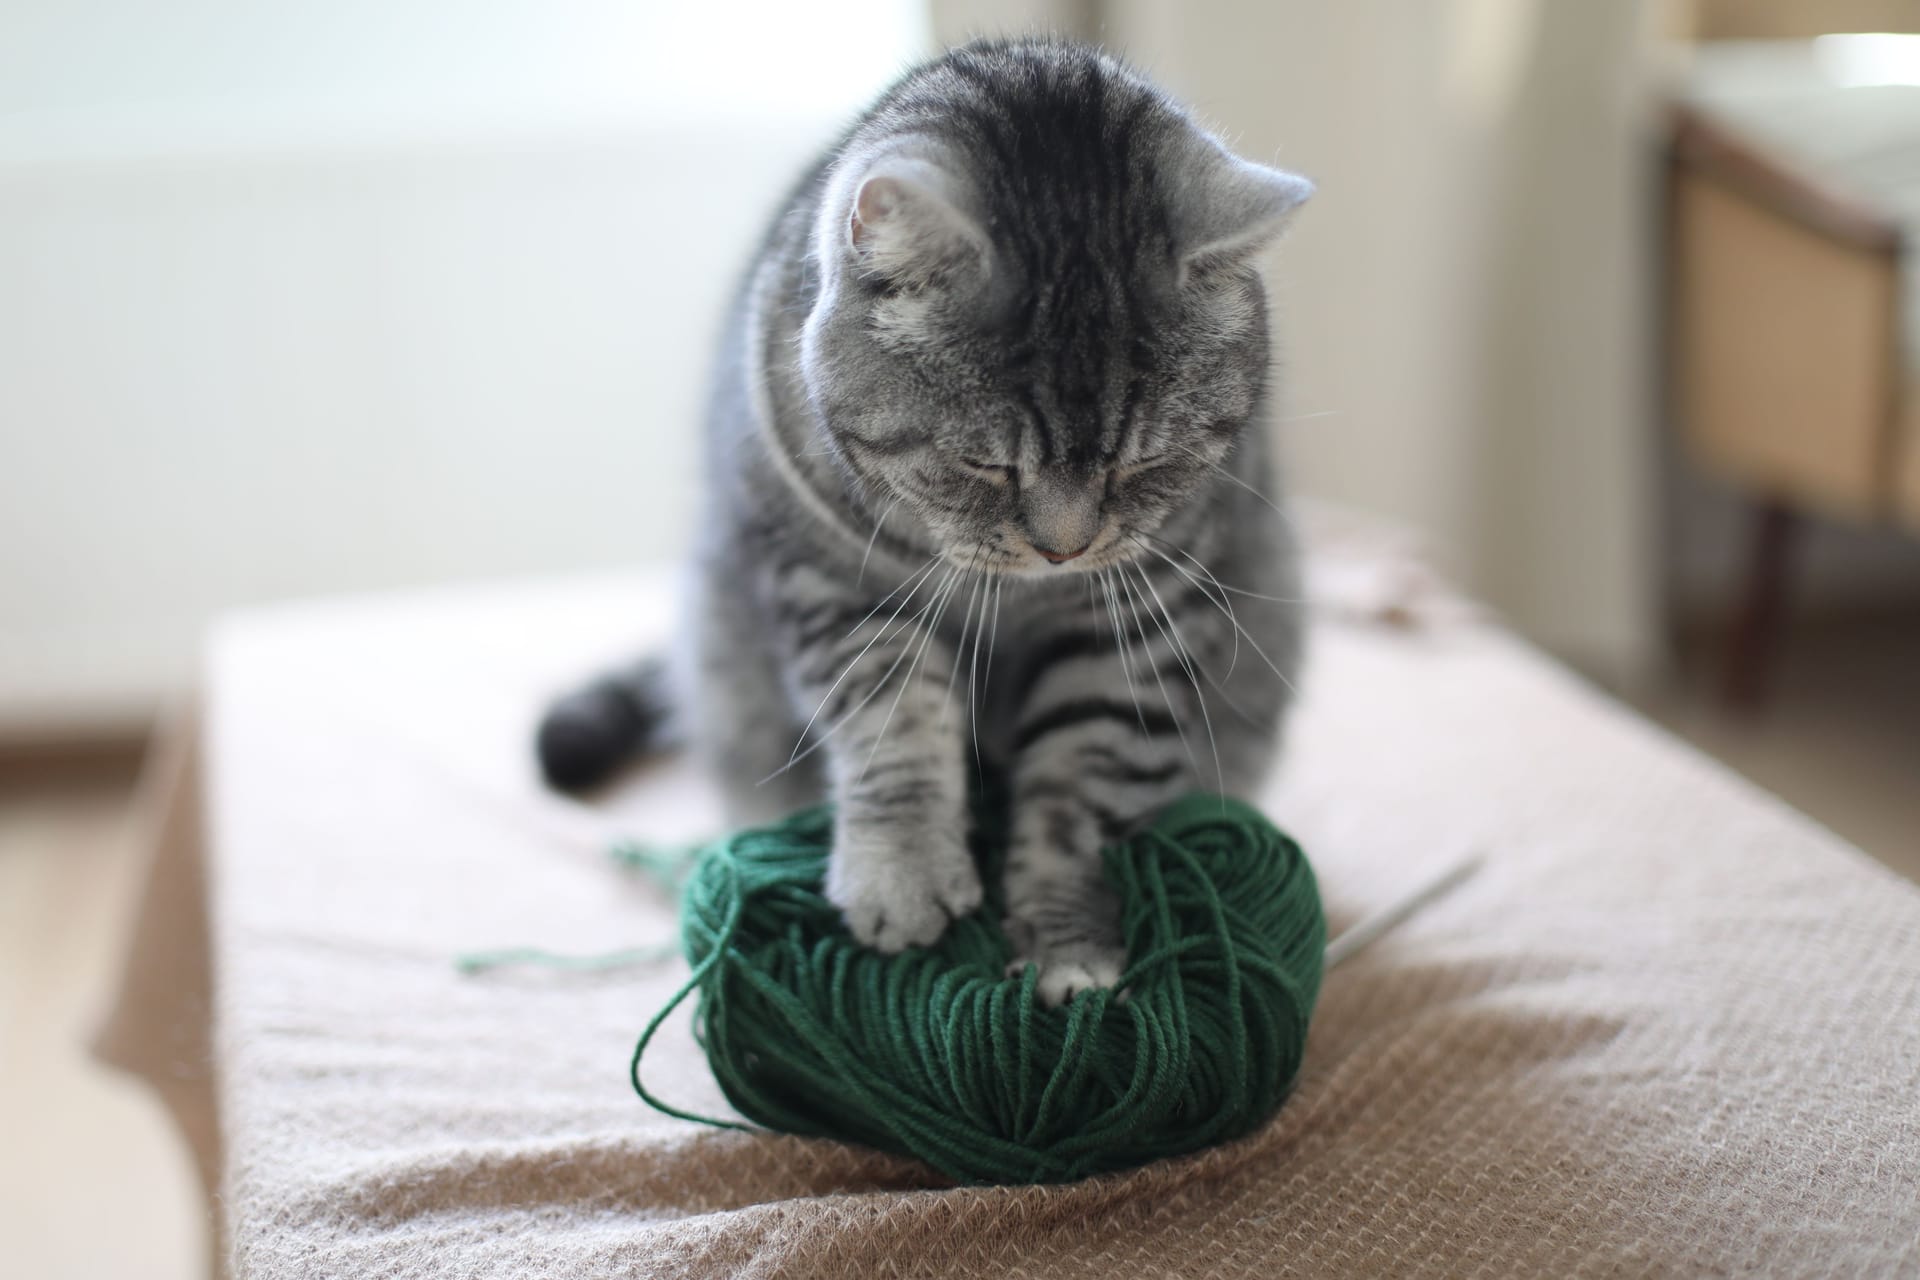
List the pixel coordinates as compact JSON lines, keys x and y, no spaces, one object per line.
{"x":320,"y":296}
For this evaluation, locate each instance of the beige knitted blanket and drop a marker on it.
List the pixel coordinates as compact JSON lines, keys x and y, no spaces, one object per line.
{"x":1671,"y":1028}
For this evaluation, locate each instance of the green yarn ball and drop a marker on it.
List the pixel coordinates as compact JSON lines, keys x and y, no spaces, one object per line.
{"x":935,"y":1053}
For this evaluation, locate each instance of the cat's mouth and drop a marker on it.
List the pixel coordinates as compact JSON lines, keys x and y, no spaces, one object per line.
{"x":1022,"y":559}
{"x":1094,"y":561}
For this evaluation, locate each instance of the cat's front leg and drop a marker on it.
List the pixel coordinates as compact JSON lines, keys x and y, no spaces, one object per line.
{"x":1091,"y":768}
{"x":894,"y":736}
{"x":901,"y":867}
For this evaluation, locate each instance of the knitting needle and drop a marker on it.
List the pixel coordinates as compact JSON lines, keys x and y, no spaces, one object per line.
{"x":1370,"y":929}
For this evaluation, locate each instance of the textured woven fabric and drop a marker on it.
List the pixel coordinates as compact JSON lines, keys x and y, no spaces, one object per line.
{"x":1671,"y":1028}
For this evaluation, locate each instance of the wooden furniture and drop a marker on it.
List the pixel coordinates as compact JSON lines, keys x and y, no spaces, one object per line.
{"x":1792,"y":343}
{"x":1790,"y":19}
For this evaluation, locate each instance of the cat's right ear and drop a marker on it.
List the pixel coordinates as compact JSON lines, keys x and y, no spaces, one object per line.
{"x":1226,"y":209}
{"x":905,"y":226}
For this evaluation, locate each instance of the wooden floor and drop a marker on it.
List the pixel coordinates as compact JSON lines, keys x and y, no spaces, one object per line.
{"x":93,"y":1182}
{"x":1838,"y":735}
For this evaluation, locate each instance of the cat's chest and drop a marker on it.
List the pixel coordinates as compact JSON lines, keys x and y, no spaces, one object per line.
{"x":1007,"y":638}
{"x":1010,"y":616}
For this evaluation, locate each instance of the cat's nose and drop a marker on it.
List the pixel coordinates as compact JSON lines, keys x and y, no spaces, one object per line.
{"x":1061,"y":557}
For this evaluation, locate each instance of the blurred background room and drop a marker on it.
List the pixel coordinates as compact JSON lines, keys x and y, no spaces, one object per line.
{"x":1608,"y":305}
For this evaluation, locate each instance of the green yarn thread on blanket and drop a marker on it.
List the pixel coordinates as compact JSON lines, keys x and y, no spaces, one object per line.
{"x":936,"y":1053}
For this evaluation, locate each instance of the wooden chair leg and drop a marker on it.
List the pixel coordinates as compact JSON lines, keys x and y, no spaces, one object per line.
{"x":1754,"y":633}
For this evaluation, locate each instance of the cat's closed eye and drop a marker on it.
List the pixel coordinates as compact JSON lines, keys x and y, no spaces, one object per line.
{"x":1132,"y":470}
{"x":993,"y":472}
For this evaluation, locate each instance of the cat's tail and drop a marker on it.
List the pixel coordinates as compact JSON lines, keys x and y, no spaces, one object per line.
{"x":587,"y":735}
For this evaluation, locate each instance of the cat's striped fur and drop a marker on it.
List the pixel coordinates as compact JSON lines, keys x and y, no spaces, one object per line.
{"x":1009,"y":319}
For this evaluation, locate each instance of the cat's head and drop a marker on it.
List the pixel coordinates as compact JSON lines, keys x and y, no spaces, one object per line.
{"x":1039,"y":328}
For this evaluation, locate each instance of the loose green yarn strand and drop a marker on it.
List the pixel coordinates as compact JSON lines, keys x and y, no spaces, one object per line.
{"x":937,"y":1053}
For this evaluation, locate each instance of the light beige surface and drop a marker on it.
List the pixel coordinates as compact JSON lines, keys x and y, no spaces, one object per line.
{"x":1672,"y":1027}
{"x":1786,"y":373}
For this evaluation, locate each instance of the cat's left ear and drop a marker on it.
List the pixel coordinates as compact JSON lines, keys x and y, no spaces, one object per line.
{"x":907,"y":224}
{"x":1227,"y":208}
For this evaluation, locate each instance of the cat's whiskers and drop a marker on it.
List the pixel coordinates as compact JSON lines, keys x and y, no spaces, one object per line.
{"x":1194,"y":665}
{"x":801,"y":753}
{"x":986,"y":677}
{"x":1227,"y":587}
{"x":1224,"y":586}
{"x":1180,"y":656}
{"x":912,"y":585}
{"x":1169,"y":627}
{"x":973,"y":667}
{"x":960,"y":645}
{"x":1190,"y":664}
{"x":1120,"y":645}
{"x":945,"y":595}
{"x":1229,"y":476}
{"x":1193,"y":659}
{"x":1140,"y":629}
{"x":1222,"y":603}
{"x":1225,"y":606}
{"x":874,"y":536}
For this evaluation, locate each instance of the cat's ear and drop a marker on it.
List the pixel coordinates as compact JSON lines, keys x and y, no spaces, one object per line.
{"x":906,"y":225}
{"x":1225,"y":208}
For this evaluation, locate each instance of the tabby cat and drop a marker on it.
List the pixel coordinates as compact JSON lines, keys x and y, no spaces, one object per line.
{"x":984,"y":487}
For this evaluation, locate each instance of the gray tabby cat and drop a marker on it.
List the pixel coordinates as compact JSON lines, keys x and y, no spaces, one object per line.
{"x":985,"y":462}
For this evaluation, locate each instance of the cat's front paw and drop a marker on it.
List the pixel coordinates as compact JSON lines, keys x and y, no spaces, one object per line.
{"x":1065,"y":975}
{"x":897,"y":894}
{"x":1070,"y":928}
